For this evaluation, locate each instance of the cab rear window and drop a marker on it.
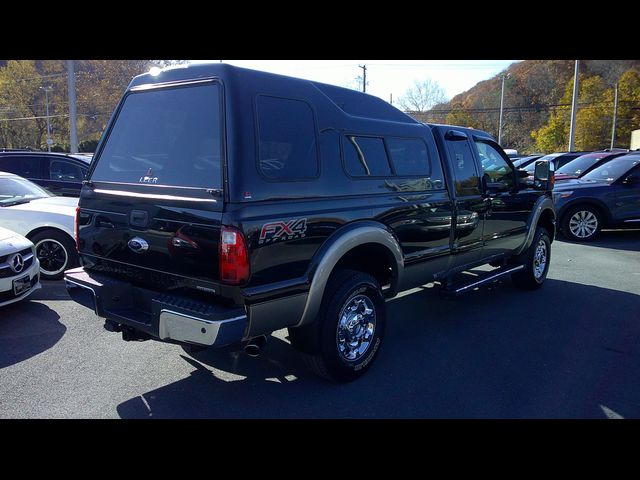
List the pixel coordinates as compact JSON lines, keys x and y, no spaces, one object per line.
{"x":166,"y":136}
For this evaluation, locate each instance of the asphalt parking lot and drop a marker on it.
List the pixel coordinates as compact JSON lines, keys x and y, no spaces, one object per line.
{"x":570,"y":350}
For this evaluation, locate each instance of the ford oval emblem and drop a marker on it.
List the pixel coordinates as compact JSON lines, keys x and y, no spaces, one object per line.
{"x":138,"y":245}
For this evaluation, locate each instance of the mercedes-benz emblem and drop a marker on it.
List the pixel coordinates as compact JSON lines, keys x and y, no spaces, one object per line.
{"x":138,"y":245}
{"x":17,"y":263}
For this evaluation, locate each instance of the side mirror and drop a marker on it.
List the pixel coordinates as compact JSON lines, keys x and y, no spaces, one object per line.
{"x":543,"y":176}
{"x":633,"y":179}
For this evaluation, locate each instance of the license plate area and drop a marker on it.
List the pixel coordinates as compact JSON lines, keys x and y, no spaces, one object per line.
{"x":21,"y":285}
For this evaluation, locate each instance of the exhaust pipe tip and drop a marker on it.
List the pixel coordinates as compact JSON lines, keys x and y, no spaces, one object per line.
{"x":255,"y":346}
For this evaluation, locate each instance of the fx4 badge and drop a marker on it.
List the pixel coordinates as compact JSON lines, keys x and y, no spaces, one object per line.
{"x":273,"y":231}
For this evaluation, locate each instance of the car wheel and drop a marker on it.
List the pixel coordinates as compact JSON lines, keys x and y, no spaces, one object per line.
{"x":536,"y":260}
{"x":582,"y":223}
{"x":349,"y":328}
{"x":56,"y":252}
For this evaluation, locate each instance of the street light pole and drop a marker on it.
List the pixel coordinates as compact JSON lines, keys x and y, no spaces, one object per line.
{"x":501,"y":107}
{"x":615,"y":117}
{"x":47,"y":89}
{"x":574,"y":106}
{"x":71,"y":84}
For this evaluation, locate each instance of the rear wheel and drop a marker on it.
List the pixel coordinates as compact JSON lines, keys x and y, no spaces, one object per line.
{"x":349,"y":329}
{"x":582,"y":223}
{"x":536,"y":260}
{"x":56,"y":252}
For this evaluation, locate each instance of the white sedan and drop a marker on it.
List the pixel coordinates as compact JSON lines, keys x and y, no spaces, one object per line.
{"x":47,"y":220}
{"x":19,"y":267}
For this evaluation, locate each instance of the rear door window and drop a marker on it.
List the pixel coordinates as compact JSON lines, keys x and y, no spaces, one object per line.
{"x":165,"y":136}
{"x":467,"y":181}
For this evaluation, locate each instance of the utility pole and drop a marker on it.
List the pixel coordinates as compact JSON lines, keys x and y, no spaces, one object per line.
{"x":391,"y":98}
{"x":47,"y":89}
{"x":71,"y":87}
{"x":501,"y":107}
{"x":615,"y":117}
{"x":574,"y":106}
{"x":364,"y":77}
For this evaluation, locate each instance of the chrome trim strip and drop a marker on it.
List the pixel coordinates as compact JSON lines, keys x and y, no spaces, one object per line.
{"x":122,"y":193}
{"x":175,"y":83}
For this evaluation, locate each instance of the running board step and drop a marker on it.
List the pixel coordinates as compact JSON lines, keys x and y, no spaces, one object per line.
{"x":492,"y":276}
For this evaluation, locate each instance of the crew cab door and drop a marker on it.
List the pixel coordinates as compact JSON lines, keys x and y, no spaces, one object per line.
{"x":508,"y":208}
{"x":470,"y":206}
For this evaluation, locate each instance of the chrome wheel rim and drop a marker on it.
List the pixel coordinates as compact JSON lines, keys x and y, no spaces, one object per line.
{"x":540,"y":260}
{"x":583,"y":224}
{"x":356,"y":326}
{"x":52,"y":256}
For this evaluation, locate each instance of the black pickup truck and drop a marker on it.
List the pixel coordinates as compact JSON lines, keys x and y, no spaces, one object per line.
{"x":224,"y":204}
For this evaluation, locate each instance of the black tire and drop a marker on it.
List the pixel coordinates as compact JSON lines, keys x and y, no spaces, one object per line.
{"x":590,"y":214}
{"x":531,"y":278}
{"x":56,"y":252}
{"x":320,"y":343}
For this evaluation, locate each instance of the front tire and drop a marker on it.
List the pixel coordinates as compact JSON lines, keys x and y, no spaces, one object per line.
{"x":56,"y":252}
{"x":348,"y":330}
{"x":536,"y":260}
{"x":582,"y":223}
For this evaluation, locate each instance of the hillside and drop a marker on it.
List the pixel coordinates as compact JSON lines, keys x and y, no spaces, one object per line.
{"x":536,"y":98}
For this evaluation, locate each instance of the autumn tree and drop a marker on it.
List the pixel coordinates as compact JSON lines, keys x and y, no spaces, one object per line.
{"x":628,"y":107}
{"x":593,"y":118}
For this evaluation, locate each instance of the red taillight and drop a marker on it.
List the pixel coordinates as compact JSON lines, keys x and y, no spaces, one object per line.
{"x":77,"y":229}
{"x":234,"y":260}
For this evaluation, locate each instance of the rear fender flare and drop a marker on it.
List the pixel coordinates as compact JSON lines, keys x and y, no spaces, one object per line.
{"x":335,"y":247}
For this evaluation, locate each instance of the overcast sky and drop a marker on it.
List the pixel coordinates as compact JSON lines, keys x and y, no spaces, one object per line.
{"x":384,"y":77}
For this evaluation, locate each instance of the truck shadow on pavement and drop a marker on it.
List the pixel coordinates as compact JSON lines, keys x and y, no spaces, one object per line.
{"x":628,"y":240}
{"x":566,"y":351}
{"x":20,"y":340}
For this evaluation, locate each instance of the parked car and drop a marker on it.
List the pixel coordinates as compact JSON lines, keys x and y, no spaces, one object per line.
{"x":59,"y":173}
{"x":224,"y":204}
{"x":583,"y":164}
{"x":556,"y":160}
{"x":19,"y":267}
{"x":45,"y":219}
{"x":606,"y":197}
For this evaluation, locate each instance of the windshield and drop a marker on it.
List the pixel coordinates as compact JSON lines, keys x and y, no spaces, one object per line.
{"x":166,"y":136}
{"x":15,"y":190}
{"x":611,"y":171}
